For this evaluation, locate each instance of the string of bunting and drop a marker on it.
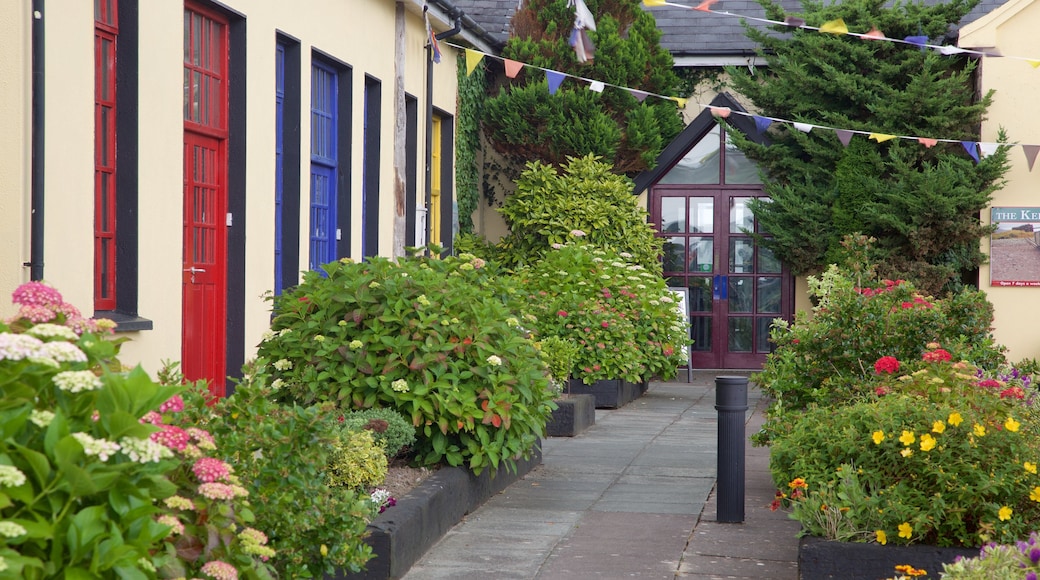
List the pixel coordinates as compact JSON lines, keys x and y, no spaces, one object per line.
{"x":838,"y":27}
{"x":555,"y":78}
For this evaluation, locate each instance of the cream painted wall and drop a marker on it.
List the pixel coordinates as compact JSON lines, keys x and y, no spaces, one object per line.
{"x":16,"y":146}
{"x":1011,"y":29}
{"x":360,"y":34}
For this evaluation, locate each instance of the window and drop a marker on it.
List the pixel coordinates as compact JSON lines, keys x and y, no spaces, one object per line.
{"x":106,"y":31}
{"x":279,"y":160}
{"x":370,"y":177}
{"x":324,"y":163}
{"x":287,"y":164}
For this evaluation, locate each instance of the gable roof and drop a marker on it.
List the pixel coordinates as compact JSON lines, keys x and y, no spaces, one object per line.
{"x":694,"y":38}
{"x":689,"y":136}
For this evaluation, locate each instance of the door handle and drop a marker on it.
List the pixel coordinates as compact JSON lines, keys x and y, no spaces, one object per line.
{"x":194,"y":271}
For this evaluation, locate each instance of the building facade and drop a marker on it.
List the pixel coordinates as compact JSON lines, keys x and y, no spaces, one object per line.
{"x":170,"y":164}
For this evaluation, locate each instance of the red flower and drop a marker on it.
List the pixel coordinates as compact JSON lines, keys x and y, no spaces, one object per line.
{"x":605,"y":324}
{"x":937,"y":355}
{"x":561,"y":313}
{"x":1013,"y":392}
{"x":990,"y":383}
{"x":886,"y":364}
{"x":881,"y":391}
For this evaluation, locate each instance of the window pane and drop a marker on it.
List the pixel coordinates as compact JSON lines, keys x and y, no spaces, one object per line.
{"x":740,"y":217}
{"x":768,"y":295}
{"x":741,"y":293}
{"x":702,"y":253}
{"x":674,"y":255}
{"x":739,"y":169}
{"x":741,"y":256}
{"x":700,"y":333}
{"x":762,"y":343}
{"x":740,"y":333}
{"x":700,"y":164}
{"x":700,"y":294}
{"x":767,"y":262}
{"x":702,"y":215}
{"x":673,"y":214}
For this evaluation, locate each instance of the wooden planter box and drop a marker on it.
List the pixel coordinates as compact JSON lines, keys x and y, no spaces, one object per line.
{"x":610,"y":393}
{"x":402,"y":534}
{"x":821,"y":559}
{"x":574,"y":414}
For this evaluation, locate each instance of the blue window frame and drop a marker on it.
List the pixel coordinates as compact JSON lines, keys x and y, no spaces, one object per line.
{"x":279,"y":161}
{"x":324,"y":161}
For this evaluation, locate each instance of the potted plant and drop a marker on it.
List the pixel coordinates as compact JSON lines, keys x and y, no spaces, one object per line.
{"x":574,"y":412}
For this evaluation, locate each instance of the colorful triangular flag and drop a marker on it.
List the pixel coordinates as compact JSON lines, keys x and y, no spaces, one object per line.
{"x":653,"y":2}
{"x":579,"y":40}
{"x":1031,"y":151}
{"x":794,"y":21}
{"x":844,"y":136}
{"x":512,"y":67}
{"x":761,"y":123}
{"x":1034,"y":63}
{"x":555,"y":79}
{"x":436,"y":49}
{"x":970,"y":147}
{"x":928,"y":143}
{"x":834,"y":27}
{"x":597,"y":86}
{"x":947,"y":50}
{"x":721,"y":112}
{"x":472,"y":60}
{"x":875,"y":34}
{"x":639,"y":95}
{"x":803,"y":127}
{"x":917,"y":40}
{"x":680,"y":101}
{"x":881,"y":137}
{"x":988,"y":149}
{"x":705,"y":6}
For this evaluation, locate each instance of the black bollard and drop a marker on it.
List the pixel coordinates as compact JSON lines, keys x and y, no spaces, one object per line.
{"x":731,"y":402}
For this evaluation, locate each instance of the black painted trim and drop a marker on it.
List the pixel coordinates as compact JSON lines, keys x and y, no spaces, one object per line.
{"x":291,"y":162}
{"x":370,"y":189}
{"x":345,"y":151}
{"x":236,"y":172}
{"x":448,"y":218}
{"x":411,"y":147}
{"x":693,"y":133}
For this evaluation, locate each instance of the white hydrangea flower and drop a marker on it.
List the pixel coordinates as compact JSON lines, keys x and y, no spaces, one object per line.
{"x":283,"y":364}
{"x":400,"y":385}
{"x":62,"y":352}
{"x":144,"y":450}
{"x":494,"y":361}
{"x":77,"y":381}
{"x":11,"y":529}
{"x":102,"y":448}
{"x":49,"y":330}
{"x":18,"y":346}
{"x":11,"y":476}
{"x":41,"y":418}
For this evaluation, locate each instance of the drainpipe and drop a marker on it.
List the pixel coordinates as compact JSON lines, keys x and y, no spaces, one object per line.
{"x":35,"y":262}
{"x":456,"y":14}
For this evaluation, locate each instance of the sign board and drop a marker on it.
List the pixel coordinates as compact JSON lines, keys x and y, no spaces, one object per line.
{"x":1014,"y":257}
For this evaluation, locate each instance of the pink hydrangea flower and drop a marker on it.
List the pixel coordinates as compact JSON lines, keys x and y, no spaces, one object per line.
{"x":208,"y":469}
{"x":36,"y":294}
{"x":220,"y":570}
{"x":174,"y":404}
{"x":172,"y":437}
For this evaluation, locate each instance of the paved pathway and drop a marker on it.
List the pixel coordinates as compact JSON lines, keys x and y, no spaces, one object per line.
{"x":632,"y":497}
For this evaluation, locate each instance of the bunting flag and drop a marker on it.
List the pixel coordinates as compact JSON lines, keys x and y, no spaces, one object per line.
{"x":555,"y":79}
{"x":579,"y":40}
{"x":705,"y":6}
{"x":875,"y":34}
{"x":921,"y":41}
{"x":433,"y":39}
{"x":473,"y":58}
{"x":654,"y":2}
{"x":762,"y":123}
{"x":1034,"y":63}
{"x":1031,"y":151}
{"x":969,"y":146}
{"x":512,"y":67}
{"x":834,"y":27}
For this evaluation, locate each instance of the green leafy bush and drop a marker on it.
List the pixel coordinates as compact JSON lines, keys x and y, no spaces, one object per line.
{"x":559,"y":355}
{"x":389,"y":429}
{"x":622,"y":316}
{"x":430,"y":338}
{"x":939,"y":455}
{"x":357,"y":462}
{"x":584,"y":195}
{"x":827,"y":358}
{"x":282,"y":453}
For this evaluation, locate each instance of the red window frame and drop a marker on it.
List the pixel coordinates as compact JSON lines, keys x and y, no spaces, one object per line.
{"x":106,"y":32}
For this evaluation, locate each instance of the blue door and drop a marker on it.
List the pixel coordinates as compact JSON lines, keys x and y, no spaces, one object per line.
{"x":323,"y":228}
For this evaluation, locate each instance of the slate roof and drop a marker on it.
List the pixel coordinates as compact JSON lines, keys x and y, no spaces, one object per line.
{"x":685,"y":33}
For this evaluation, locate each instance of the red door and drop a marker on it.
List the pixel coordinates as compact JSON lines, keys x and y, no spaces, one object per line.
{"x":204,"y":276}
{"x":736,"y":288}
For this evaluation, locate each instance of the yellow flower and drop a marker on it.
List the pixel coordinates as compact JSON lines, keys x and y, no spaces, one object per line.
{"x":907,"y":452}
{"x":906,"y":530}
{"x":907,"y":438}
{"x":955,"y":419}
{"x":1004,"y":514}
{"x":882,"y":538}
{"x":324,"y":550}
{"x":980,"y":430}
{"x":879,"y":436}
{"x":798,"y":483}
{"x":1012,"y":425}
{"x":1035,"y":494}
{"x":927,"y":442}
{"x":938,"y":427}
{"x":1030,"y":467}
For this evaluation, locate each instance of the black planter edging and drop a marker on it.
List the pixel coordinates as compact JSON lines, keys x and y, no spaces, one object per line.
{"x":609,"y":393}
{"x":402,"y":534}
{"x":573,"y":415}
{"x":822,"y":559}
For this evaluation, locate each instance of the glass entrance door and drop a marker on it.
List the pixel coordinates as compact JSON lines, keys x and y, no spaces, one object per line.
{"x":736,"y":288}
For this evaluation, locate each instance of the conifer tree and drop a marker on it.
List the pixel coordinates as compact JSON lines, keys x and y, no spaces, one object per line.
{"x":526,"y":123}
{"x":921,"y":203}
